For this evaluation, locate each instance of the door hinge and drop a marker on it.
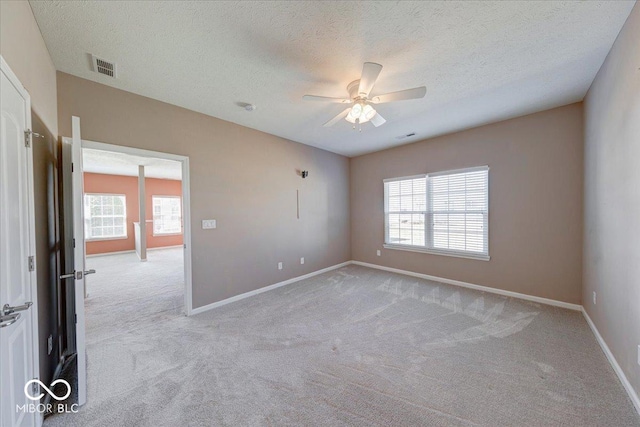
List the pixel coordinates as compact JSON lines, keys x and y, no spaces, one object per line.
{"x":71,"y":167}
{"x":74,"y":242}
{"x":75,"y":318}
{"x":31,"y":263}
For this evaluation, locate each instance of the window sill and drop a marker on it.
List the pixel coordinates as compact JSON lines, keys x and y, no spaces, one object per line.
{"x":479,"y":257}
{"x":102,"y":239}
{"x":166,"y":234}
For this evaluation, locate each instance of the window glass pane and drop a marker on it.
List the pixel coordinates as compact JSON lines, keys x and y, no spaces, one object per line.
{"x":406,"y":203}
{"x":102,"y":212}
{"x":167,"y":217}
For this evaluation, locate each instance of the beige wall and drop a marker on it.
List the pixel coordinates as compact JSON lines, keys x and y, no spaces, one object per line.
{"x":612,"y":199}
{"x":22,"y":46}
{"x":243,"y":178}
{"x":535,"y":203}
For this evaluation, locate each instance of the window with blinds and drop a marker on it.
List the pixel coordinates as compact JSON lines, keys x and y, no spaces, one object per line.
{"x":444,"y":212}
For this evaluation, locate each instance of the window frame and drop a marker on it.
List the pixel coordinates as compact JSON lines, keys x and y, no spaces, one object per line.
{"x":428,"y":237}
{"x":124,"y":216}
{"x":153,"y":220}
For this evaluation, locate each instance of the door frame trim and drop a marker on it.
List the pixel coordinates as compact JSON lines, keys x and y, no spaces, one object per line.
{"x":186,"y":203}
{"x":35,"y":352}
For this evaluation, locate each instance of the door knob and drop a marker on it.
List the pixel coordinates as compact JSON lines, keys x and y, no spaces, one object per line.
{"x":9,"y":319}
{"x":92,"y":271}
{"x":7,"y":309}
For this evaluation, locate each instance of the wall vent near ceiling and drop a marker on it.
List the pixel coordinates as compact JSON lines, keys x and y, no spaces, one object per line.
{"x":102,"y":66}
{"x":409,"y":135}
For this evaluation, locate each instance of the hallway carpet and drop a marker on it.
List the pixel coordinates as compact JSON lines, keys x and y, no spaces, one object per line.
{"x":353,"y":346}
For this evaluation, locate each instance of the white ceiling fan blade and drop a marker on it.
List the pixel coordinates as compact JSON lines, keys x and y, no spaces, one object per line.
{"x":378,"y":120}
{"x":326,"y":99}
{"x":415,"y":93}
{"x":370,"y":73}
{"x":337,"y":118}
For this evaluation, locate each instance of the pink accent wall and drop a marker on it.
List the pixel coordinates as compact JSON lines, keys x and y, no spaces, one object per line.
{"x":128,"y":185}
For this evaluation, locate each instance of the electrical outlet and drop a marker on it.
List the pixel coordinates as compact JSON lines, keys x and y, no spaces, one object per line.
{"x":594,"y":298}
{"x":279,"y":266}
{"x":378,"y":252}
{"x":49,"y":344}
{"x":302,"y":260}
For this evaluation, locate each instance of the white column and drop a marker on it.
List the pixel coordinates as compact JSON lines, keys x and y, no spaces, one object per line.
{"x":142,"y":208}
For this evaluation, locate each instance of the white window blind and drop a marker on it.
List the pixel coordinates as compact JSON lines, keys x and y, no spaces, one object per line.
{"x":406,"y":203}
{"x":105,"y":216}
{"x":167,"y":218}
{"x":444,"y":212}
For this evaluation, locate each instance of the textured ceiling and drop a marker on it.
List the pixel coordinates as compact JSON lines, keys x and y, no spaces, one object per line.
{"x":98,"y":161}
{"x":481,"y":61}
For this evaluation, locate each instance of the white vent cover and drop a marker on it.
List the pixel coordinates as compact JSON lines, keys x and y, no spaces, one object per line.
{"x":102,"y":66}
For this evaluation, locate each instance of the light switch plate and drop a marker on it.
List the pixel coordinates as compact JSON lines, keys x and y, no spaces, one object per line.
{"x":378,"y":252}
{"x":208,"y":224}
{"x":302,"y":260}
{"x":279,"y":266}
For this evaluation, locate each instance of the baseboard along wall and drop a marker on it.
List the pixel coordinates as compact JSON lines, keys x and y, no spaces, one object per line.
{"x":613,"y":362}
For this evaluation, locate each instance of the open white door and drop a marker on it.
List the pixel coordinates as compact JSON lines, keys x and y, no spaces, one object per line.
{"x":74,"y":221}
{"x":79,"y":257}
{"x":19,"y":373}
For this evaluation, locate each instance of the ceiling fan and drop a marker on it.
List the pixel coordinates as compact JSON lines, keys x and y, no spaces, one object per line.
{"x":361,"y":109}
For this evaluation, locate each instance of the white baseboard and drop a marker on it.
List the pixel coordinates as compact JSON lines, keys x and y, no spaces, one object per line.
{"x":111,"y":253}
{"x":133,"y":251}
{"x":211,"y":306}
{"x":158,"y":248}
{"x":540,"y":300}
{"x":614,"y":363}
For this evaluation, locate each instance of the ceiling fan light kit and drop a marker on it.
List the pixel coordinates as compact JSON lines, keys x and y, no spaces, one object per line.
{"x":361,"y":110}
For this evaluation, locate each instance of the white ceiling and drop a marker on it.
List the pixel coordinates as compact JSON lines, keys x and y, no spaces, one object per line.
{"x":98,"y":161}
{"x":481,"y":61}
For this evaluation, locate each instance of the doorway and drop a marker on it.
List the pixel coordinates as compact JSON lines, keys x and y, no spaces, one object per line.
{"x":133,"y":235}
{"x":167,"y":209}
{"x":132,"y":213}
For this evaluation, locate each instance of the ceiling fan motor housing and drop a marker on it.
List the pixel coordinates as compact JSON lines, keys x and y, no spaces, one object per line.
{"x":352,"y":88}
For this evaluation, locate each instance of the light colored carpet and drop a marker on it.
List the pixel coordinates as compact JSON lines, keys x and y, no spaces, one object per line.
{"x":126,"y":294}
{"x":356,"y":346}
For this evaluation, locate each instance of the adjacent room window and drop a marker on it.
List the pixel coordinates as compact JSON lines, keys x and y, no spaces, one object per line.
{"x":167,"y":218}
{"x":444,"y":212}
{"x":105,"y":216}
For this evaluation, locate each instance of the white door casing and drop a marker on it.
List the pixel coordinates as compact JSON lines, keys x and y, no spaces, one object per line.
{"x":19,"y":352}
{"x":79,"y":257}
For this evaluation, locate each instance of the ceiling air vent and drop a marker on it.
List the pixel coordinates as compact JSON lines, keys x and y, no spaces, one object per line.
{"x":102,"y":66}
{"x":409,"y":135}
